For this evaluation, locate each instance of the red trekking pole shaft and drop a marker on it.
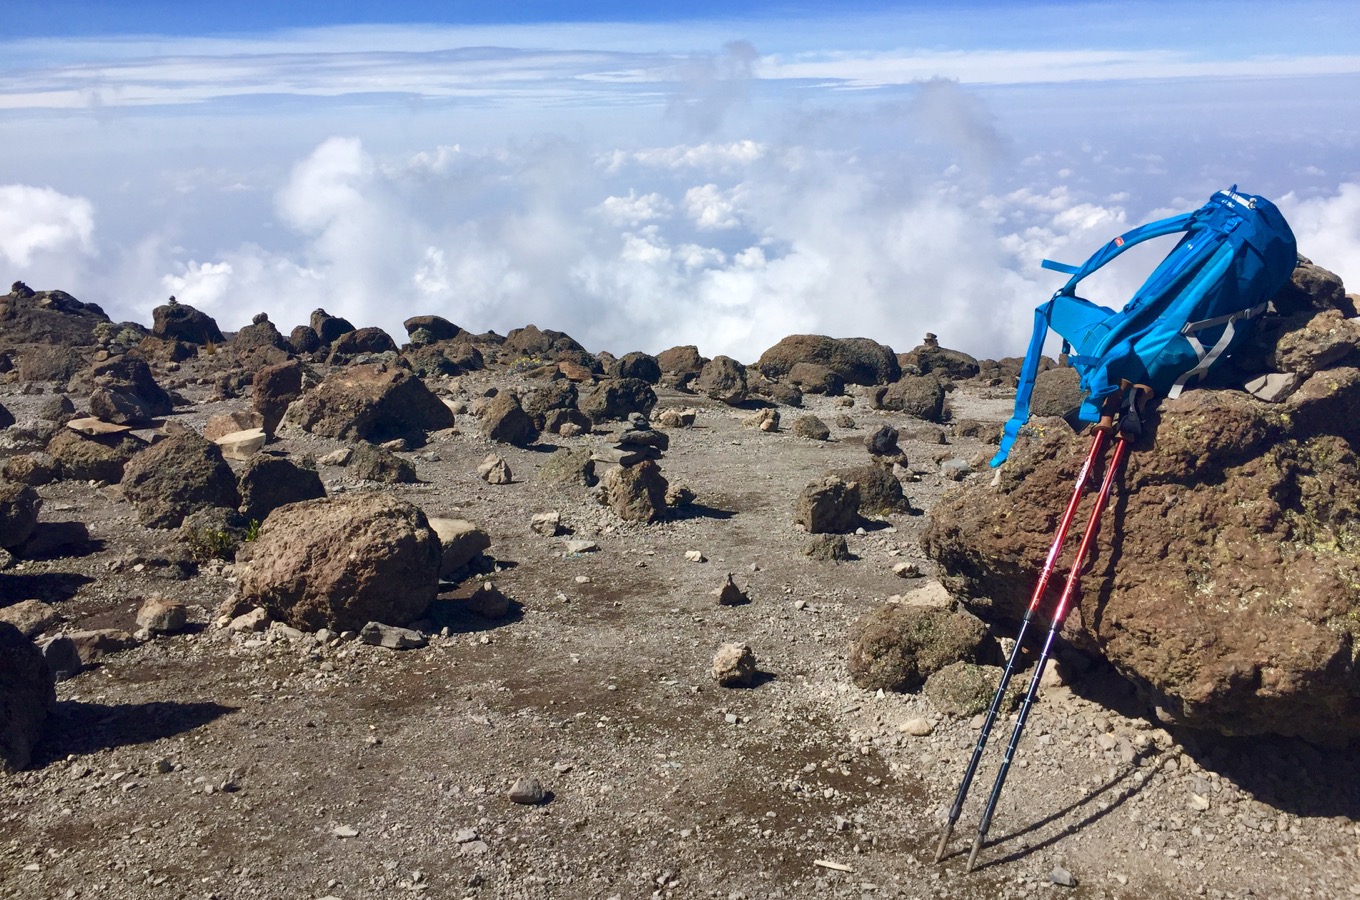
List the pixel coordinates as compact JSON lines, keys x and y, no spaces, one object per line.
{"x":1059,"y":613}
{"x":1045,"y":575}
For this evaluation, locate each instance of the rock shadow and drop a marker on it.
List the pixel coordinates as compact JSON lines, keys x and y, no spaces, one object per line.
{"x":81,"y":728}
{"x":50,"y":587}
{"x":698,"y":511}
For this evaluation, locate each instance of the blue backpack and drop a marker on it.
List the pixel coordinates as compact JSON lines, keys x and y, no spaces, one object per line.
{"x":1236,"y":254}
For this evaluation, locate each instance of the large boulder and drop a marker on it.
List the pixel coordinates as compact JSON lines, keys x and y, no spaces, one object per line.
{"x":176,"y":476}
{"x":723,"y":379}
{"x":125,"y":392}
{"x":1312,"y":289}
{"x":19,"y":506}
{"x":47,"y":317}
{"x":637,"y":365}
{"x":27,"y":693}
{"x":353,"y":344}
{"x":857,"y":360}
{"x":421,"y":330}
{"x":897,"y":647}
{"x":375,"y":403}
{"x":681,"y":361}
{"x":530,"y":344}
{"x":830,"y":506}
{"x":617,"y":399}
{"x":273,"y":388}
{"x":1224,"y":581}
{"x":1057,"y":392}
{"x":92,"y":457}
{"x":341,"y":562}
{"x":921,"y":396}
{"x":636,"y":493}
{"x":174,"y":321}
{"x":328,"y":328}
{"x":931,"y":357}
{"x":260,"y":343}
{"x":504,"y":420}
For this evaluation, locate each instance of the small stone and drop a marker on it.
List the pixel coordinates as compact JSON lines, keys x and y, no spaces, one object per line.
{"x":164,"y":766}
{"x":548,"y":524}
{"x":159,"y":615}
{"x":1199,"y":803}
{"x":1062,"y":877}
{"x":464,"y":836}
{"x":734,"y":665}
{"x":907,"y":570}
{"x":255,"y":620}
{"x":339,"y":457}
{"x":495,"y":470}
{"x":1107,"y":742}
{"x":695,"y":556}
{"x":917,"y":727}
{"x":581,"y":546}
{"x":391,"y":637}
{"x":528,"y":792}
{"x":345,"y":831}
{"x":729,"y":594}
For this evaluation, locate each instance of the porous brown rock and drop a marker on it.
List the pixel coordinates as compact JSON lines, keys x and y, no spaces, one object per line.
{"x":353,"y":344}
{"x":101,"y":458}
{"x":639,"y":365}
{"x":880,"y":493}
{"x":421,"y":330}
{"x":811,"y":427}
{"x":815,"y":378}
{"x":19,"y":506}
{"x":341,"y":562}
{"x":272,"y":389}
{"x":328,"y":328}
{"x":684,"y":360}
{"x":370,"y":402}
{"x":505,"y":421}
{"x":723,"y":379}
{"x":174,"y":321}
{"x":966,"y":689}
{"x":1057,"y":392}
{"x":734,"y":665}
{"x":569,"y":466}
{"x":830,"y":506}
{"x":636,"y":493}
{"x":931,"y":357}
{"x":921,"y":396}
{"x":897,"y":647}
{"x":178,"y":475}
{"x":380,"y":464}
{"x":1223,"y":582}
{"x":125,"y":392}
{"x":27,"y":695}
{"x":856,"y":360}
{"x":617,"y":399}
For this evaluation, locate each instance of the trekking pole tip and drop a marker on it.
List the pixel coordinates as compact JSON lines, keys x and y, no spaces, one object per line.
{"x":944,"y":840}
{"x":972,"y":854}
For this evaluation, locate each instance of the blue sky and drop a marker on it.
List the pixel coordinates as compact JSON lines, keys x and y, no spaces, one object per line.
{"x":642,"y":177}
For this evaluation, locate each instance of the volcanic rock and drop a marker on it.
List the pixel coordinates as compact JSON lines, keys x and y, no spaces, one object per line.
{"x":828,"y":507}
{"x":636,"y":493}
{"x":546,"y":345}
{"x":568,"y":466}
{"x":681,"y":361}
{"x":966,"y":689}
{"x":273,"y":388}
{"x":19,"y":506}
{"x":125,"y":391}
{"x":31,"y":617}
{"x":896,"y":648}
{"x":883,"y":443}
{"x":341,"y":562}
{"x":260,"y":343}
{"x":734,"y":665}
{"x":353,"y":344}
{"x":931,"y":357}
{"x":374,"y":403}
{"x":617,"y":399}
{"x":558,"y":394}
{"x":1222,"y":582}
{"x":505,"y":421}
{"x":27,"y":695}
{"x":176,"y":476}
{"x":223,"y":424}
{"x":1313,"y":289}
{"x":880,"y":493}
{"x":328,"y":328}
{"x":421,"y":330}
{"x":495,"y":470}
{"x":380,"y":464}
{"x":723,"y":379}
{"x":815,"y":378}
{"x":462,"y":542}
{"x":101,"y":458}
{"x":921,"y":396}
{"x":160,"y":615}
{"x":812,"y":428}
{"x":642,"y":366}
{"x":268,"y":482}
{"x":856,"y":360}
{"x":828,"y":547}
{"x":50,"y":363}
{"x":47,"y":317}
{"x":175,"y":321}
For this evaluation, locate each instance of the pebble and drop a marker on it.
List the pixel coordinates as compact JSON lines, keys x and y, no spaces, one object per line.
{"x":1061,"y":876}
{"x":695,"y":556}
{"x":917,"y":727}
{"x":345,"y":831}
{"x":528,"y":791}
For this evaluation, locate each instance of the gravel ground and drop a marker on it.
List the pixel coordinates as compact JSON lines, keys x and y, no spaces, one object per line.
{"x":220,"y":765}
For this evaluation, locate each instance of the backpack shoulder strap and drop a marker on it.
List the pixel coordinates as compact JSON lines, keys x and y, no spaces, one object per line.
{"x":1025,"y":388}
{"x":1117,"y":246}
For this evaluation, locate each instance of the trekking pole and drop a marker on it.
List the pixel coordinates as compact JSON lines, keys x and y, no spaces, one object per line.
{"x":1045,"y":574}
{"x":1129,"y":428}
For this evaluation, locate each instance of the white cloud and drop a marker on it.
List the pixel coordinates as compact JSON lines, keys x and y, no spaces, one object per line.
{"x":712,"y":209}
{"x":633,"y":210}
{"x":1327,"y":230}
{"x":39,"y":220}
